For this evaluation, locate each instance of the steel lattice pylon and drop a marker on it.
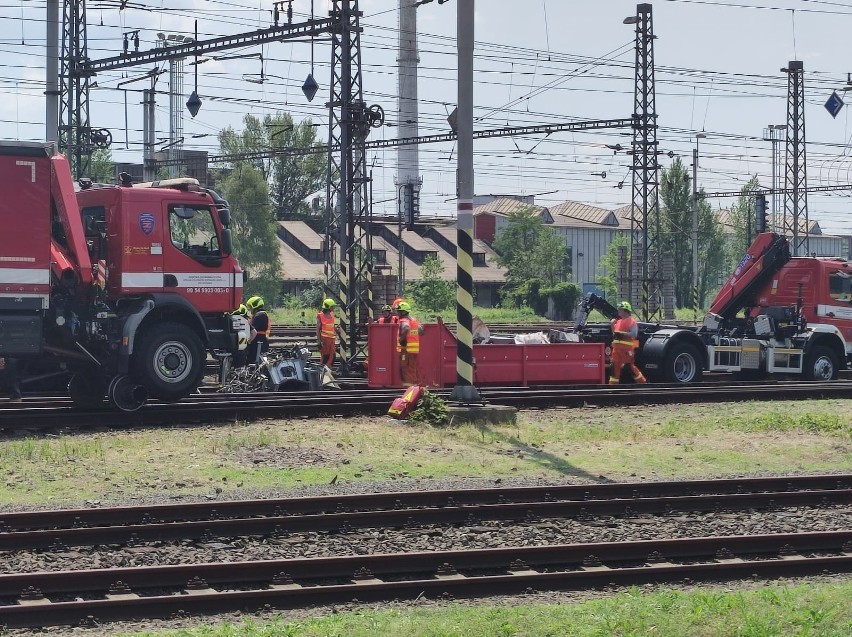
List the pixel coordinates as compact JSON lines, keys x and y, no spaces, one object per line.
{"x":645,"y":213}
{"x":796,"y":177}
{"x":348,"y":245}
{"x":74,"y":130}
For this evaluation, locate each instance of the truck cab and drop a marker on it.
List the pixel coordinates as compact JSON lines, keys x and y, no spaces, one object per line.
{"x":123,"y":288}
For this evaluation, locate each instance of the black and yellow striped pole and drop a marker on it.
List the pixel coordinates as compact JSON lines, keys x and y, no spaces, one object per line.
{"x":464,"y":391}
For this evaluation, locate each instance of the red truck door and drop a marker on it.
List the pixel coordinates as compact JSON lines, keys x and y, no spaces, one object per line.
{"x":193,"y":263}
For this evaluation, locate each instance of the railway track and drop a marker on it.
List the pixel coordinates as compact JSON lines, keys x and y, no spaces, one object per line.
{"x":122,"y":525}
{"x":111,"y":594}
{"x":51,"y":412}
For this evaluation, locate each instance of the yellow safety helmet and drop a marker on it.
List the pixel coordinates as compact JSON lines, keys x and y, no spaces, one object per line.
{"x":328,"y":304}
{"x":405,"y":306}
{"x":255,"y":303}
{"x":625,"y":305}
{"x":241,"y":311}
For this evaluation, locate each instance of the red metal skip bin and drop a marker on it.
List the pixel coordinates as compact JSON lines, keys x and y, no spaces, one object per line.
{"x":503,"y":365}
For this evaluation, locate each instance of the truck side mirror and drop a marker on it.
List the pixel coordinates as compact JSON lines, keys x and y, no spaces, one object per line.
{"x":225,"y":217}
{"x":227,"y":242}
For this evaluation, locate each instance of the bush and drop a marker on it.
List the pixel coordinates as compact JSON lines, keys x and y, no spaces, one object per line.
{"x":565,"y":297}
{"x":431,"y":410}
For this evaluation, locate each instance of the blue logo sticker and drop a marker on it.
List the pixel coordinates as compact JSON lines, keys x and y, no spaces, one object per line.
{"x":146,"y":222}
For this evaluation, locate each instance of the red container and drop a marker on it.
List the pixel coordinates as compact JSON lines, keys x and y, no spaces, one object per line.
{"x":497,"y":365}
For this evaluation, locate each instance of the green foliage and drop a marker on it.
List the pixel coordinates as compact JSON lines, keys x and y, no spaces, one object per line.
{"x":102,"y":167}
{"x":565,"y":297}
{"x":533,"y":294}
{"x":528,"y":249}
{"x":431,"y":410}
{"x":255,"y":240}
{"x":676,"y":215}
{"x":432,"y":293}
{"x":608,"y":265}
{"x":741,"y":217}
{"x":291,"y":177}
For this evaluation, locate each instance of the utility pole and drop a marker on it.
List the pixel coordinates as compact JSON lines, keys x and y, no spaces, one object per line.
{"x":408,"y":161}
{"x":775,"y":133}
{"x":645,"y":257}
{"x":464,"y":391}
{"x":51,"y":113}
{"x":796,"y":176}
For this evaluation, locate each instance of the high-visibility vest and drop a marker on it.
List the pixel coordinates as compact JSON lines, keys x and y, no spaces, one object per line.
{"x":326,"y":325}
{"x":387,"y":320}
{"x":624,"y":325}
{"x":265,"y":332}
{"x":412,"y":339}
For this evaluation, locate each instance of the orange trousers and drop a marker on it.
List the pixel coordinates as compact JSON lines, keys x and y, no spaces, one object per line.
{"x":327,"y":349}
{"x":622,"y":356}
{"x":408,"y":368}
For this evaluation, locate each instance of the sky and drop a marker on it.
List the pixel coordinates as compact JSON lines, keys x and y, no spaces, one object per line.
{"x":718,"y":72}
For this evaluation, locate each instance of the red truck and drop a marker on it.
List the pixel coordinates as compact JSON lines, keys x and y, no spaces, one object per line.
{"x":776,"y":314}
{"x":122,"y":288}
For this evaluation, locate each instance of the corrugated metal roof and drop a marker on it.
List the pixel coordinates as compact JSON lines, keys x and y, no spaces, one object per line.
{"x":584,"y":212}
{"x":506,"y":205}
{"x":295,"y":268}
{"x":304,"y":233}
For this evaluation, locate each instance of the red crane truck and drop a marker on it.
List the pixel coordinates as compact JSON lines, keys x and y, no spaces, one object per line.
{"x":123,"y":288}
{"x":776,"y":314}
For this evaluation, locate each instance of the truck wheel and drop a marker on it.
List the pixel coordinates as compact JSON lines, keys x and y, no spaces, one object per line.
{"x":169,"y":361}
{"x":820,"y":364}
{"x":682,"y":364}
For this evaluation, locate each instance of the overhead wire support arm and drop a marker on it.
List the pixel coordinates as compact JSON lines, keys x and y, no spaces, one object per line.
{"x":432,"y":139}
{"x":311,"y":28}
{"x":769,"y":191}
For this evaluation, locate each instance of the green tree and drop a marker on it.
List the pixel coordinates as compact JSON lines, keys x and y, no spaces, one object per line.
{"x":432,"y":292}
{"x":676,"y":214}
{"x":608,"y":265}
{"x":102,"y":168}
{"x":254,"y":231}
{"x":291,"y":178}
{"x":530,"y":250}
{"x":741,"y":217}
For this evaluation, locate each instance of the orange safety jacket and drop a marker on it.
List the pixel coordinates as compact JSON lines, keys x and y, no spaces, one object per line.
{"x":326,"y":325}
{"x":387,"y":320}
{"x":412,"y":339}
{"x":624,"y":325}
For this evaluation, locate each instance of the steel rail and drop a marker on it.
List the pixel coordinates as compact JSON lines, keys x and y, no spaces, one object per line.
{"x":161,"y":591}
{"x":32,"y":414}
{"x":125,"y":525}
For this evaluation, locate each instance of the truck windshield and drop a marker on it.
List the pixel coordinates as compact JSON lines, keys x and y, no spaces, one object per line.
{"x":840,"y":286}
{"x":193,"y":232}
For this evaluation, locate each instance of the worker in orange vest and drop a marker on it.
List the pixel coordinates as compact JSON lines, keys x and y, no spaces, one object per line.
{"x":625,"y":331}
{"x":325,"y":333}
{"x":409,"y":344}
{"x":395,"y":307}
{"x":387,"y":317}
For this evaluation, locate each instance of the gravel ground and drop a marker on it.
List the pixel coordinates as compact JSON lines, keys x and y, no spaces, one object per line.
{"x":484,"y":535}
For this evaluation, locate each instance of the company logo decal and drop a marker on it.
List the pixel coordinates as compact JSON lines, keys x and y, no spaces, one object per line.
{"x":146,"y":222}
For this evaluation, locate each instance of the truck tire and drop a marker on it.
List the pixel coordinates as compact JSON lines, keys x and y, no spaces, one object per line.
{"x":820,"y":364}
{"x":682,"y":364}
{"x":169,"y":361}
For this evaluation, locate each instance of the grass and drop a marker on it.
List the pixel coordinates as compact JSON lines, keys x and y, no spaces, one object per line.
{"x":651,"y":442}
{"x":811,"y":610}
{"x":296,"y":317}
